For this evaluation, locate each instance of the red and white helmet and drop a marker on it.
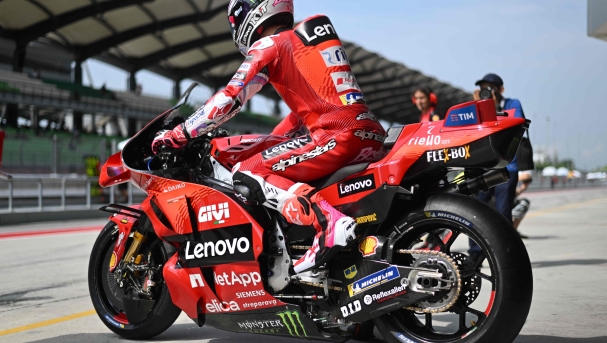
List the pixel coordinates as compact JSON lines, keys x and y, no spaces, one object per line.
{"x":249,"y":18}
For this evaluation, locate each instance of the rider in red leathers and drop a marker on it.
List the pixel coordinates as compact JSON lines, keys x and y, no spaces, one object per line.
{"x":309,"y":68}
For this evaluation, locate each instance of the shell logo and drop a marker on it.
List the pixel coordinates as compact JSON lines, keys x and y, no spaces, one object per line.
{"x":113,"y":261}
{"x":368,"y":246}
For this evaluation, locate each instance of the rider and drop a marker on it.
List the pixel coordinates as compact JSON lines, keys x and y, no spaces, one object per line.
{"x":308,"y":67}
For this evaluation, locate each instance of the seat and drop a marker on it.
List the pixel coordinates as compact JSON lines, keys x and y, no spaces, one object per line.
{"x":338,"y":175}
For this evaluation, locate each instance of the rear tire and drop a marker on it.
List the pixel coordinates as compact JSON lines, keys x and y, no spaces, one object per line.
{"x":163,"y":313}
{"x":506,"y":256}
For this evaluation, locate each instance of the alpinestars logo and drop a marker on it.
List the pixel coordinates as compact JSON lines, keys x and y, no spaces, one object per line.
{"x":363,"y":134}
{"x":282,"y":165}
{"x":218,"y":213}
{"x":292,"y":320}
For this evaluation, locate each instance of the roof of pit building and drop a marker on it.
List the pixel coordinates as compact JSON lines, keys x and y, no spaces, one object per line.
{"x":183,"y":39}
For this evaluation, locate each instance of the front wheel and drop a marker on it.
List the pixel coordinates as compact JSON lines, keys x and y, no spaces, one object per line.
{"x":496,"y":277}
{"x":107,"y":295}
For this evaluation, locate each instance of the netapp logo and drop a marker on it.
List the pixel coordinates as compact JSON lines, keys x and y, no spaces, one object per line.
{"x":316,"y":31}
{"x":356,"y":185}
{"x":219,"y":246}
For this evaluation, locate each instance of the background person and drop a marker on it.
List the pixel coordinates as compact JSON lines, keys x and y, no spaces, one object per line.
{"x":426,"y":101}
{"x":521,"y":205}
{"x":506,"y":192}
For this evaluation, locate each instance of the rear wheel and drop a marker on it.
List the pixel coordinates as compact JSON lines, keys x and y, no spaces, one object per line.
{"x":107,"y":295}
{"x":497,"y":281}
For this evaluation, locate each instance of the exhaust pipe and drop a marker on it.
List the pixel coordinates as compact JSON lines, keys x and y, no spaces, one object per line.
{"x":484,"y":182}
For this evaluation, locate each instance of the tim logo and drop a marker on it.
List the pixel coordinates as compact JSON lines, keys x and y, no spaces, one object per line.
{"x":215,"y":213}
{"x":292,"y":320}
{"x":467,"y":115}
{"x":335,"y":56}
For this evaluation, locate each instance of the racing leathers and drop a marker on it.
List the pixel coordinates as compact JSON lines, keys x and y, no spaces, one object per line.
{"x":309,"y":69}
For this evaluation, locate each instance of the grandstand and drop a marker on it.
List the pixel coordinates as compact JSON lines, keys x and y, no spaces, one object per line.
{"x":178,"y":39}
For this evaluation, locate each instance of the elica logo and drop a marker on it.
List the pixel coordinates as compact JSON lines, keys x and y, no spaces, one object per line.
{"x":316,"y":31}
{"x":445,"y":155}
{"x":283,"y":164}
{"x":216,"y":213}
{"x":281,"y":148}
{"x":292,"y":320}
{"x":224,"y":306}
{"x":351,"y":308}
{"x":174,"y":188}
{"x":356,"y":185}
{"x":335,"y":56}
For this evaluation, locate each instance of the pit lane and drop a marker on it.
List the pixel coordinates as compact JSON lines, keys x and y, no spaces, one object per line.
{"x":44,"y":295}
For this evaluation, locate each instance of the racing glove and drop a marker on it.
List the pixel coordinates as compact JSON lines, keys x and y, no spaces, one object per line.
{"x":175,"y":138}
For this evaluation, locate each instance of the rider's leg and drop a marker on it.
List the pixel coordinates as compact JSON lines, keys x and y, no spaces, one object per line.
{"x":269,"y":177}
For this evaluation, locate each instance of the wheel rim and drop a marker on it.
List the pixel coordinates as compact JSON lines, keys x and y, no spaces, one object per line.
{"x":465,"y":317}
{"x":109,"y":294}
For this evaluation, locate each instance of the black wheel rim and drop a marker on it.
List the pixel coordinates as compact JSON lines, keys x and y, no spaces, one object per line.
{"x":439,"y":234}
{"x":107,"y":287}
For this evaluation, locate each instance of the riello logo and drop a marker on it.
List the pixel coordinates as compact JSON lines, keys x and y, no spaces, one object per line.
{"x":215,"y":213}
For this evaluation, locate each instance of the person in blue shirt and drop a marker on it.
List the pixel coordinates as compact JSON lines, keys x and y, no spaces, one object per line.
{"x":506,"y":192}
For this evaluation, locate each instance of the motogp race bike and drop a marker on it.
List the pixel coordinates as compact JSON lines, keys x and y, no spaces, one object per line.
{"x":192,"y":245}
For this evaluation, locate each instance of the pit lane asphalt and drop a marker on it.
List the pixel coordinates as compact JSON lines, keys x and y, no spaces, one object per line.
{"x":44,"y":295}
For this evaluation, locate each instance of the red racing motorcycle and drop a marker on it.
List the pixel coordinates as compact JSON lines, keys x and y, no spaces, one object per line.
{"x":192,"y":245}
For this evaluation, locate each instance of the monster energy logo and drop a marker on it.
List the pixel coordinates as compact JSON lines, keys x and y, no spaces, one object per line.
{"x":292,"y":321}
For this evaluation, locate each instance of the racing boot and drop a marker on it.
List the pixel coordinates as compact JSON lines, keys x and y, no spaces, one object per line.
{"x":334,"y":229}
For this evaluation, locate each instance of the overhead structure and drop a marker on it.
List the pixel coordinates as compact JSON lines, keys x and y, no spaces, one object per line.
{"x":597,"y":19}
{"x":181,"y":39}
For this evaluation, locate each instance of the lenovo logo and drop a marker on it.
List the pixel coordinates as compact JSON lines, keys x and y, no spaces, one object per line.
{"x":316,"y":31}
{"x":218,"y":246}
{"x":356,"y":185}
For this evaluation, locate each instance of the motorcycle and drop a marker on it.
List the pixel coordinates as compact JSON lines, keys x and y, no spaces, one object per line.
{"x":194,"y":245}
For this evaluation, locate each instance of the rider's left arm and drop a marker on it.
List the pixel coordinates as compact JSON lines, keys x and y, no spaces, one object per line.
{"x":251,"y":76}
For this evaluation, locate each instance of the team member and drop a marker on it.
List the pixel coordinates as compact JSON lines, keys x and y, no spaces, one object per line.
{"x":426,"y":101}
{"x":309,"y":68}
{"x":506,"y":192}
{"x":521,"y":205}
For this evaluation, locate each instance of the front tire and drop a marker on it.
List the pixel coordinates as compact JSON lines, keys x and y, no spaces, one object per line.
{"x":107,"y":296}
{"x":502,"y":250}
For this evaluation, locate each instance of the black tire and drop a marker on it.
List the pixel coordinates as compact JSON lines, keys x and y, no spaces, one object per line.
{"x":507,"y":258}
{"x":163,"y":313}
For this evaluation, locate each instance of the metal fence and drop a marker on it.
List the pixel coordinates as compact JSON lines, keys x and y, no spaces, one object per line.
{"x":39,"y":194}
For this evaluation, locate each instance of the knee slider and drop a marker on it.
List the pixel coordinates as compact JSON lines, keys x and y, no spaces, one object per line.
{"x":247,"y":189}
